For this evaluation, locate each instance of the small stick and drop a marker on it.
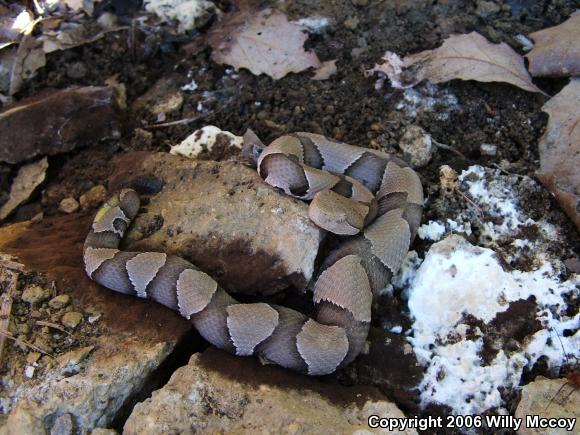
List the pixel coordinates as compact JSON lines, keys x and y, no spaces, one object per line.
{"x":52,"y":325}
{"x":184,"y":120}
{"x":571,"y":378}
{"x":6,"y":306}
{"x":178,"y":122}
{"x":450,"y":148}
{"x":7,"y":334}
{"x":470,"y":201}
{"x":499,"y":168}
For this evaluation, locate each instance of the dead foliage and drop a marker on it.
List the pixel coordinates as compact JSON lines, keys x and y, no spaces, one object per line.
{"x":29,"y":177}
{"x":263,"y":42}
{"x":465,"y":57}
{"x":556,"y":51}
{"x":560,"y":149}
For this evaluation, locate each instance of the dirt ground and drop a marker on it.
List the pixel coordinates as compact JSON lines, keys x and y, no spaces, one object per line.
{"x":348,"y":106}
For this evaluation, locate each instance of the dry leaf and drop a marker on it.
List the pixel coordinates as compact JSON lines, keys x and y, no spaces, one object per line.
{"x":263,"y":42}
{"x":28,"y":179}
{"x":560,"y":149}
{"x":72,"y":35}
{"x":75,"y":5}
{"x":14,"y":21}
{"x":327,"y":69}
{"x":465,"y":57}
{"x":28,"y":59}
{"x":556,"y":52}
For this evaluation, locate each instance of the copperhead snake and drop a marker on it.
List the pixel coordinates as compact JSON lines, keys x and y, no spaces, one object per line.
{"x":373,"y":198}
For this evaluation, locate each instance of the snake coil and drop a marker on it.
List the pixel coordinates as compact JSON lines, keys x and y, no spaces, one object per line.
{"x":368,"y":195}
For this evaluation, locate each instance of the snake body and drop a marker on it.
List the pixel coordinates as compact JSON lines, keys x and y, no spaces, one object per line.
{"x":373,"y":198}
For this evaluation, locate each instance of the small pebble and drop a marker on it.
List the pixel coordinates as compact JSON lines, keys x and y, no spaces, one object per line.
{"x":32,"y":357}
{"x":23,"y":328}
{"x":68,"y":205}
{"x":34,"y":294}
{"x":93,"y":198}
{"x":525,"y":42}
{"x":486,"y":8}
{"x":59,"y":302}
{"x":488,"y":149}
{"x":43,"y":343}
{"x":29,"y":371}
{"x":95,"y":318}
{"x":417,"y":146}
{"x":351,"y":22}
{"x":142,"y":138}
{"x":71,"y":319}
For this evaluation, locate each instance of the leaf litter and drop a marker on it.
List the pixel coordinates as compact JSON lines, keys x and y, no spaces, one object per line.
{"x":556,"y":51}
{"x":465,"y":57}
{"x":66,"y":26}
{"x":29,"y":177}
{"x":560,"y":149}
{"x":264,"y":43}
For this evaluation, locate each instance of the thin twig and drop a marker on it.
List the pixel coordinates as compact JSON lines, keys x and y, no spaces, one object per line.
{"x":470,"y":201}
{"x":449,"y":148}
{"x":6,"y":306}
{"x":7,"y":334}
{"x":185,"y":120}
{"x":499,"y":168}
{"x":52,"y":325}
{"x":178,"y":122}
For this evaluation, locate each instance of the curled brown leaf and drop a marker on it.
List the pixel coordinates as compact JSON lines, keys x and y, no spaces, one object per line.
{"x":556,"y":51}
{"x":560,"y":149}
{"x":465,"y":57}
{"x":29,"y":177}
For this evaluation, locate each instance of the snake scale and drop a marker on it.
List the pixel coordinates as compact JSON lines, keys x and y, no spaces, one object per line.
{"x":372,"y":198}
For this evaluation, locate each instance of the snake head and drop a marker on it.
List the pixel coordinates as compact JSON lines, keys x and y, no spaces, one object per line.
{"x":252,"y":148}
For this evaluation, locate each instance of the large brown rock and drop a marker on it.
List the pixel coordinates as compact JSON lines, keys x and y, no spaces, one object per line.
{"x":223,"y":218}
{"x":218,"y":393}
{"x":59,"y":121}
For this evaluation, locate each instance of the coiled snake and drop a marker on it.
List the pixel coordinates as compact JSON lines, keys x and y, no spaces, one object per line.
{"x":373,"y":198}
